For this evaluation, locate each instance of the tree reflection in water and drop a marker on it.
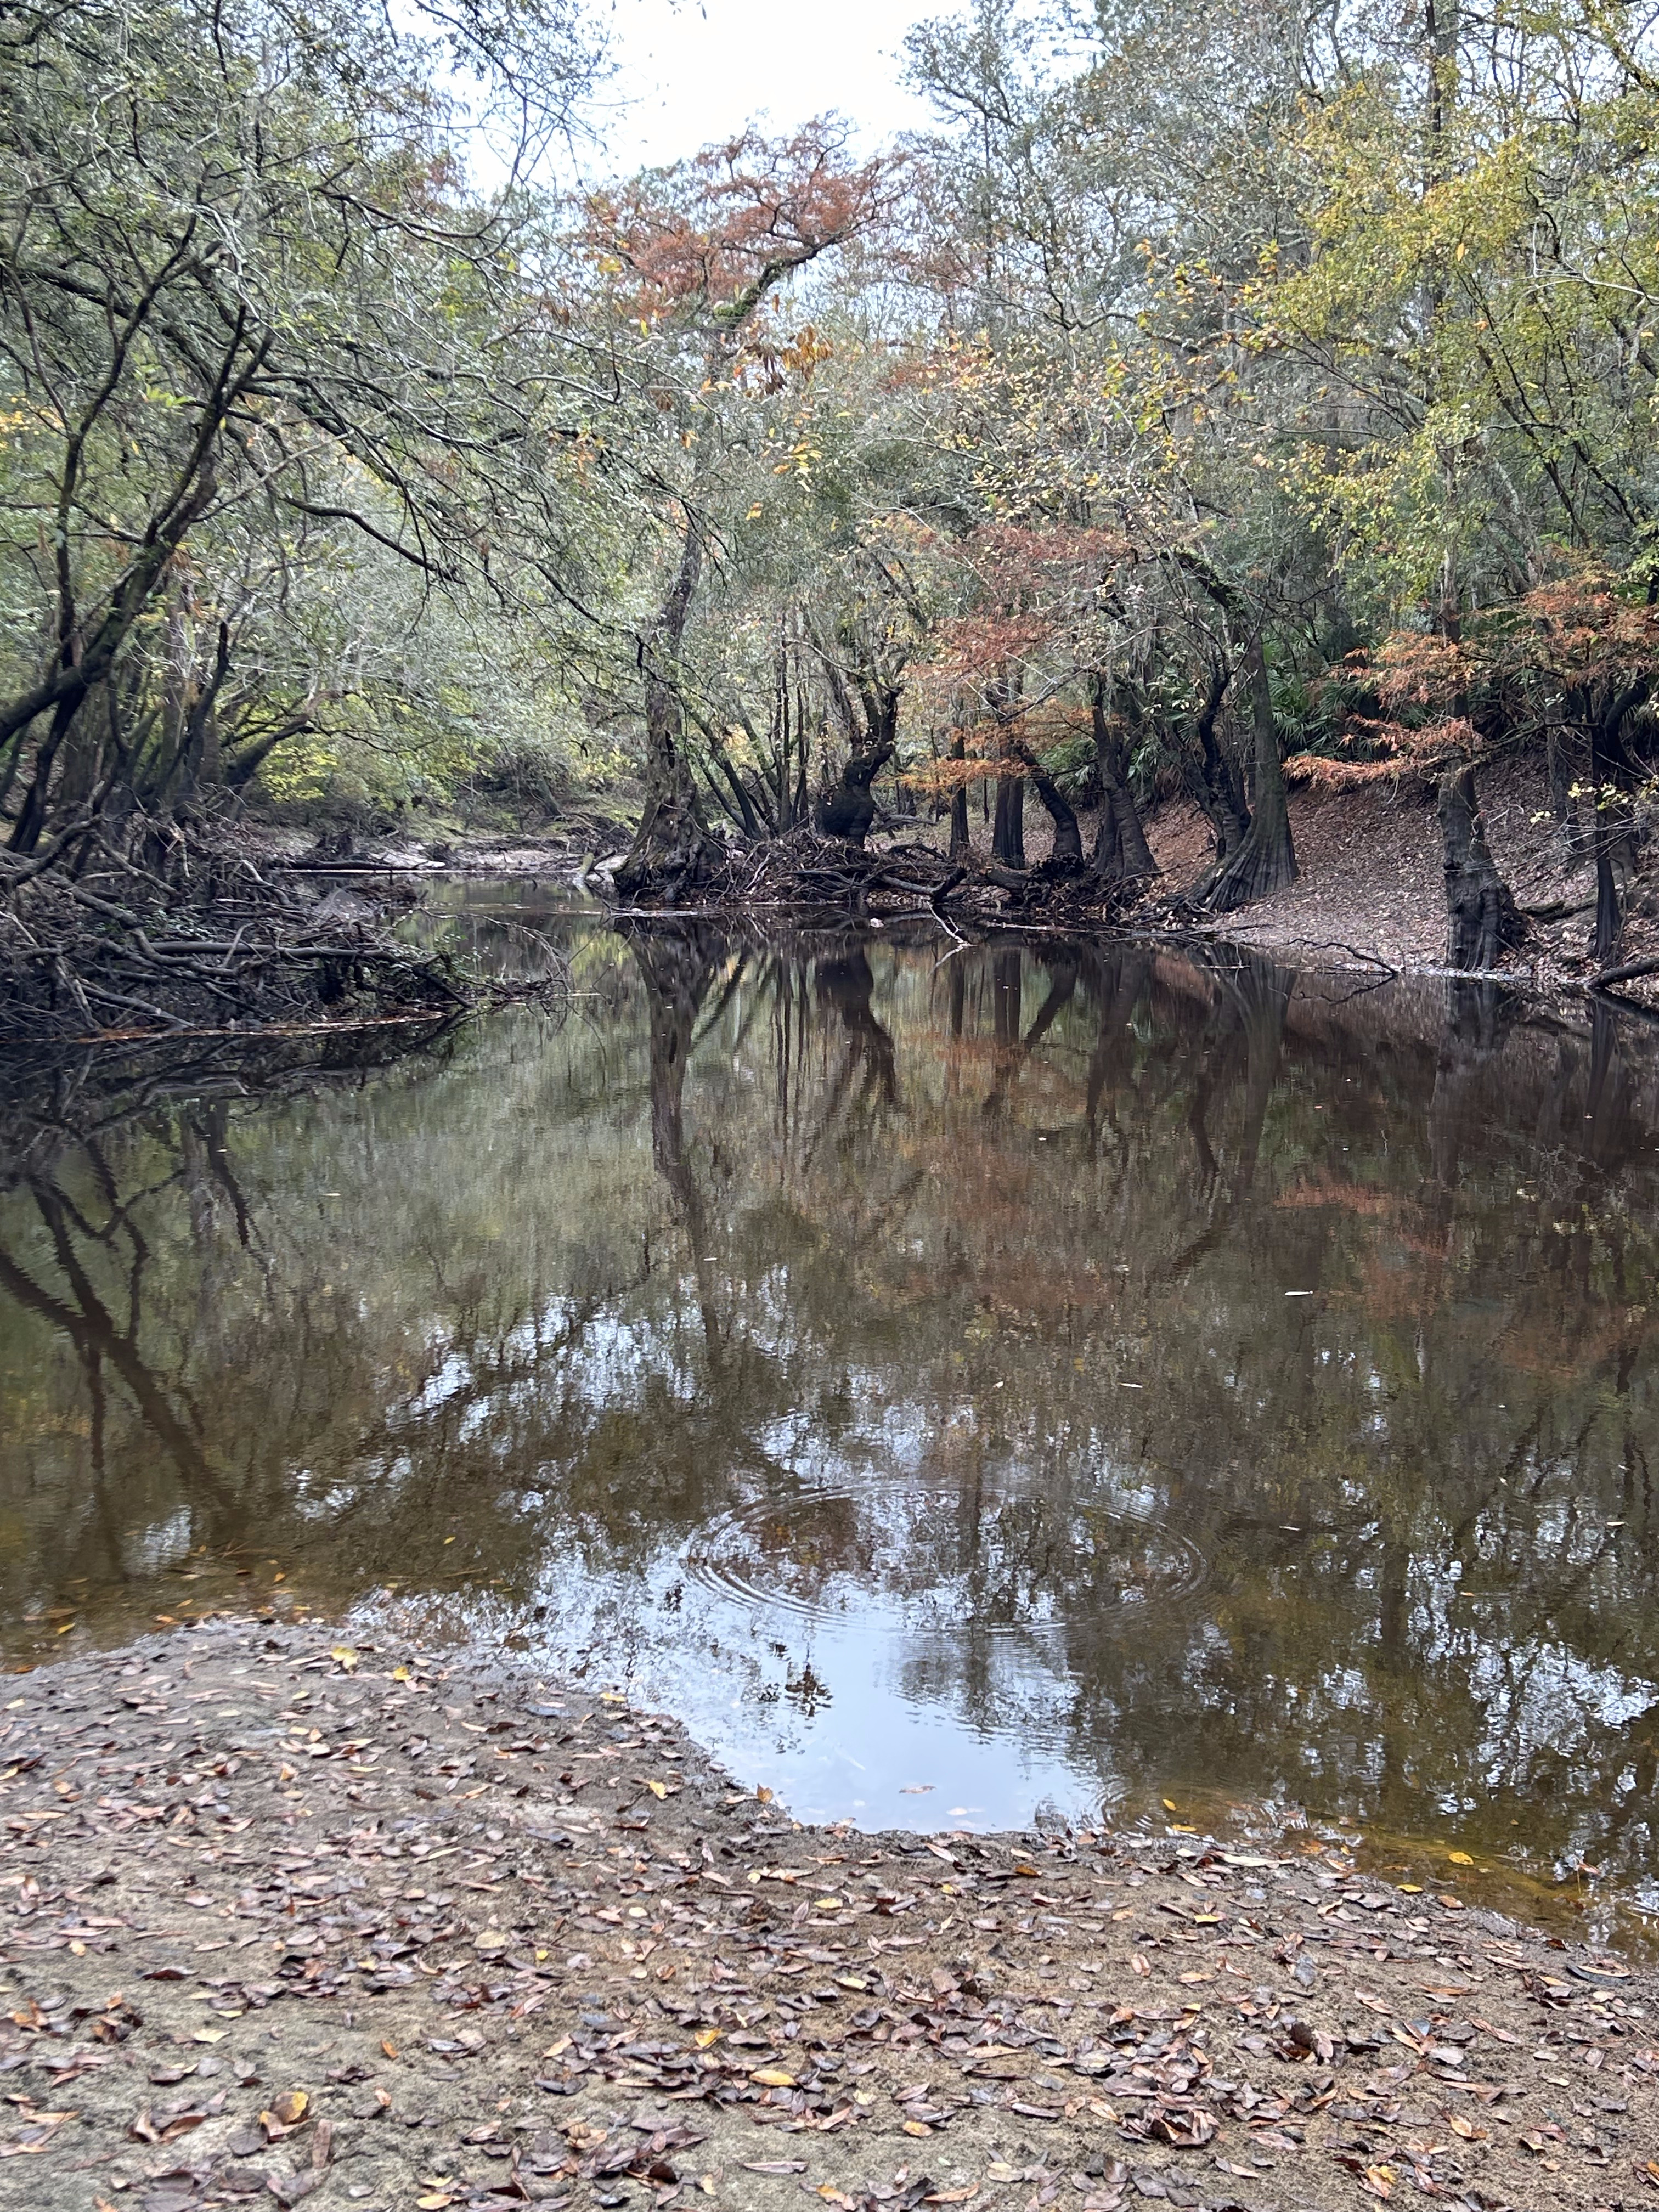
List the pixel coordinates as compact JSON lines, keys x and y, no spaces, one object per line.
{"x":1150,"y":1372}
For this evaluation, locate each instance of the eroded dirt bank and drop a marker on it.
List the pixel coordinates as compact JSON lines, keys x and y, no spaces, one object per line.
{"x":287,"y":1919}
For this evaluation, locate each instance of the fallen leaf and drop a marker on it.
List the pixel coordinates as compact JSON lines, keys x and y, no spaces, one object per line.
{"x":1459,"y":1858}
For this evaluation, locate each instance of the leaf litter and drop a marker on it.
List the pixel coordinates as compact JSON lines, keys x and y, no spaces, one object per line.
{"x":287,"y":1920}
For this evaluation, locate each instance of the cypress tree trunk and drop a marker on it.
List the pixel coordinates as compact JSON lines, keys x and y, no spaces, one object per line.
{"x":1121,"y":847}
{"x":671,"y":847}
{"x":1609,"y":923}
{"x":1265,"y":861}
{"x":1008,"y":837}
{"x":959,"y":837}
{"x":1067,"y":857}
{"x":1222,"y":795}
{"x":1482,"y":919}
{"x":848,"y":811}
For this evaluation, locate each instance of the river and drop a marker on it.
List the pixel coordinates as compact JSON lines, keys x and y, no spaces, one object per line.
{"x":972,"y":1387}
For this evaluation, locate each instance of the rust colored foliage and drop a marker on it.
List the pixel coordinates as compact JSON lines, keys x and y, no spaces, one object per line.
{"x":991,"y":747}
{"x":1415,"y":669}
{"x":1421,"y":680}
{"x":1028,"y":592}
{"x":1583,"y":631}
{"x":712,"y":236}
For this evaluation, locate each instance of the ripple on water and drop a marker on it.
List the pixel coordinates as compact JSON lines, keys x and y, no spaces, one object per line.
{"x":944,"y":1556}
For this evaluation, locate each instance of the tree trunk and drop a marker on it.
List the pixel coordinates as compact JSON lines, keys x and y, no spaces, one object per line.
{"x":850,"y":808}
{"x":1121,"y":847}
{"x":671,"y":848}
{"x":1605,"y":805}
{"x":959,"y":836}
{"x":1265,"y":861}
{"x":1562,"y":803}
{"x":1222,"y":796}
{"x":1066,"y":856}
{"x":1482,"y":919}
{"x":1008,"y":837}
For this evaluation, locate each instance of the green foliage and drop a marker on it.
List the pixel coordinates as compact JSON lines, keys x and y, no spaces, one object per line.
{"x":1214,"y":339}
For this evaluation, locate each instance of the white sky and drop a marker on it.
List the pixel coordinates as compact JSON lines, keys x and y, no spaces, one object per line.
{"x":693,"y":73}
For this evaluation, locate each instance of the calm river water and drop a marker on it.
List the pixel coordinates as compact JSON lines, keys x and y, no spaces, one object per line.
{"x":971,"y":1387}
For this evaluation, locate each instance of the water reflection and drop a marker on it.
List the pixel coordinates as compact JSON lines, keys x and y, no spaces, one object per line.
{"x":1063,"y":1373}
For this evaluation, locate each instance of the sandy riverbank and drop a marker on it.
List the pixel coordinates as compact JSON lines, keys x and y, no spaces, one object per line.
{"x":381,"y":1928}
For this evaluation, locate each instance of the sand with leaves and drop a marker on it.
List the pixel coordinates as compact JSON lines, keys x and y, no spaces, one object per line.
{"x":286,"y":1918}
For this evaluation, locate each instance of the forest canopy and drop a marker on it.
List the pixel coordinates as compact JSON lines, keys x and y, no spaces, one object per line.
{"x":1217,"y":398}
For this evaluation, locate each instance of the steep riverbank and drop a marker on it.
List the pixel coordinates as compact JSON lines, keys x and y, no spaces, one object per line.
{"x":288,"y":1916}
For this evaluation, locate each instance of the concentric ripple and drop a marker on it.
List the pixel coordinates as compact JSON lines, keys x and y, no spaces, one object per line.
{"x":942,"y":1556}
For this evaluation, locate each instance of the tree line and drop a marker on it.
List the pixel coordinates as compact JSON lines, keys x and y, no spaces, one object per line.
{"x":1214,"y":400}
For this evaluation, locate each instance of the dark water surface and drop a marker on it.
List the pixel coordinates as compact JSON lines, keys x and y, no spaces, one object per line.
{"x":968,"y":1386}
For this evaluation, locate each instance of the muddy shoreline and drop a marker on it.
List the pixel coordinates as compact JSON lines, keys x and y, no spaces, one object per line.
{"x":289,"y":1917}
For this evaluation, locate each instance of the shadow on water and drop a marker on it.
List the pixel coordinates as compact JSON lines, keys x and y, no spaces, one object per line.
{"x":959,"y":1381}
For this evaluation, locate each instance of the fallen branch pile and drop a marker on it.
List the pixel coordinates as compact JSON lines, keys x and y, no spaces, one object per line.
{"x":158,"y":936}
{"x":802,"y":872}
